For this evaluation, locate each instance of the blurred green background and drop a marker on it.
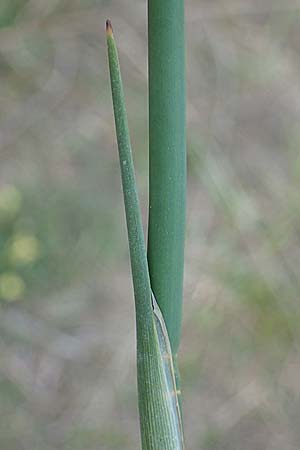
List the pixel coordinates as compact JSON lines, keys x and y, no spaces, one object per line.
{"x":67,"y":356}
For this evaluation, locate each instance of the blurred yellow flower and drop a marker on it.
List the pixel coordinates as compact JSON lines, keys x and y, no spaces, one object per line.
{"x":24,"y":249}
{"x":10,"y":202}
{"x":12,"y":287}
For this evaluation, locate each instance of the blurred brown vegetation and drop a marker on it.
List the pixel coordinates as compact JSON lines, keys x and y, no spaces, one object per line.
{"x":67,"y":364}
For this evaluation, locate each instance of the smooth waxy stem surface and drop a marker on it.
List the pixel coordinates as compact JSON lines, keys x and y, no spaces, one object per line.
{"x":167,"y":161}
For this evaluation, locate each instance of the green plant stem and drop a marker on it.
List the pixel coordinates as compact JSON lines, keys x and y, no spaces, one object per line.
{"x":160,"y":419}
{"x":167,"y":155}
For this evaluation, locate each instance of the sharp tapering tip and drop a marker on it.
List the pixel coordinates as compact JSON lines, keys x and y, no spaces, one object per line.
{"x":109,"y":29}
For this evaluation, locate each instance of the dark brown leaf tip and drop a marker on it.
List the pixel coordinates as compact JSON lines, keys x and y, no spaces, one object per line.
{"x":109,"y":29}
